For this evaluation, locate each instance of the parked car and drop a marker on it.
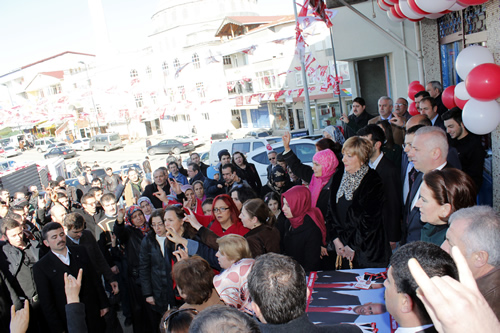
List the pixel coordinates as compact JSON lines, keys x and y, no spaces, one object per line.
{"x":9,"y":151}
{"x":195,"y":139}
{"x":97,"y":173}
{"x":64,"y":151}
{"x":260,"y":133}
{"x":7,"y":165}
{"x":242,"y":145}
{"x":83,"y":144}
{"x":106,"y":142}
{"x":58,"y":145}
{"x":136,"y":165}
{"x":303,"y":148}
{"x":170,"y":146}
{"x":218,"y":137}
{"x":41,"y":145}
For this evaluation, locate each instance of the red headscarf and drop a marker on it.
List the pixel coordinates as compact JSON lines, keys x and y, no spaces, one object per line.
{"x":299,"y":201}
{"x":328,"y":161}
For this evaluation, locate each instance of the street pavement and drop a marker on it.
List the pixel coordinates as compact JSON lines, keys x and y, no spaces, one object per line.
{"x":135,"y":152}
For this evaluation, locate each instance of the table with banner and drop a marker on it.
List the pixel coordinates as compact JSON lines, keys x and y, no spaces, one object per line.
{"x":354,"y":296}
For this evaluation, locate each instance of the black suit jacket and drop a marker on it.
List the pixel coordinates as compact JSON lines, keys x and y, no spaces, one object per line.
{"x":49,"y":278}
{"x":392,"y":212}
{"x":440,"y":123}
{"x":326,"y":298}
{"x":412,"y":225}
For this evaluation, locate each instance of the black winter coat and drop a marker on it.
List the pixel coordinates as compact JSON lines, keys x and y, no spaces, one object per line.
{"x":155,"y":271}
{"x":251,"y":175}
{"x":303,"y":244}
{"x":132,"y":238}
{"x":363,"y":229}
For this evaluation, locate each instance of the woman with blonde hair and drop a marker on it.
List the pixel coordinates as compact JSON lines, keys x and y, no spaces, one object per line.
{"x":356,"y":206}
{"x":235,"y":258}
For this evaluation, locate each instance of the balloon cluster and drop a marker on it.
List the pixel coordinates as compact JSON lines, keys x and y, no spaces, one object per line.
{"x":413,"y":88}
{"x":416,"y":10}
{"x":477,"y":95}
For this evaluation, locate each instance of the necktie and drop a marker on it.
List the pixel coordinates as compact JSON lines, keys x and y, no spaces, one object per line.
{"x":412,"y":175}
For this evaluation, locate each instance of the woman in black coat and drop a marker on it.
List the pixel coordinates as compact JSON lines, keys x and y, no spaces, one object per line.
{"x":131,"y":234}
{"x":155,"y":268}
{"x":247,"y":171}
{"x":356,"y":205}
{"x":305,"y":230}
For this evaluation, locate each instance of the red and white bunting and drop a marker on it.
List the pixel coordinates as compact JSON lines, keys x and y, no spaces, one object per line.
{"x":309,"y":60}
{"x":299,"y":92}
{"x":250,"y":50}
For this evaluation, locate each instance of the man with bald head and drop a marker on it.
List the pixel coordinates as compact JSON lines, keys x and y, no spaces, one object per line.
{"x":476,"y":232}
{"x":428,"y":152}
{"x":58,"y":213}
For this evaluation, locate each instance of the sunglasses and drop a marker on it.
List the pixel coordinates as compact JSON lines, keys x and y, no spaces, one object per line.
{"x":174,"y":313}
{"x":272,"y":158}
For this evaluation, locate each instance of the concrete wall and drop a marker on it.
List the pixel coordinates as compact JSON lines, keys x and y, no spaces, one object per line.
{"x":493,"y":44}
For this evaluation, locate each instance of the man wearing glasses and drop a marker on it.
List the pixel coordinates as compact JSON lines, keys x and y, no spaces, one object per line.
{"x":272,"y":155}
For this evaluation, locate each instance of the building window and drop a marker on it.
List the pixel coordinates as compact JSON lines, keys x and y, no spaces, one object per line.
{"x":153,"y":98}
{"x":164,"y":67}
{"x":42,"y":94}
{"x":133,"y":73}
{"x":266,"y":80}
{"x":138,"y":100}
{"x":226,"y":60}
{"x":55,"y":89}
{"x":310,"y":78}
{"x":98,"y":108}
{"x":205,"y":116}
{"x":177,"y":64}
{"x":171,"y":95}
{"x":235,"y":112}
{"x":182,"y":92}
{"x":200,"y":89}
{"x":196,"y":61}
{"x":149,"y":73}
{"x":298,"y":79}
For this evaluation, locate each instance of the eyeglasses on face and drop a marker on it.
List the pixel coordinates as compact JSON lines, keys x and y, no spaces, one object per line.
{"x":220,"y":210}
{"x":272,"y":158}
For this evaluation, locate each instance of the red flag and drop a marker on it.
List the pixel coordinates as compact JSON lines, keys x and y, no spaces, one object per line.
{"x":300,"y":91}
{"x":278,"y":94}
{"x":266,"y":81}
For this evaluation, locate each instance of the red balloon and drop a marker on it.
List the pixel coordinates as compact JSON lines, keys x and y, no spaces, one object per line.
{"x":412,"y":83}
{"x":413,"y":89}
{"x":483,"y":82}
{"x":448,"y":97}
{"x":395,"y":13}
{"x":412,"y":109}
{"x":460,"y":102}
{"x":398,"y":10}
{"x":416,"y":8}
{"x":387,"y":3}
{"x":473,"y":2}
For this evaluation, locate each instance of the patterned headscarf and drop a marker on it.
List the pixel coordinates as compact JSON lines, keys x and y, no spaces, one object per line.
{"x":329,"y":162}
{"x":128,"y":219}
{"x":186,"y":187}
{"x":335,"y":133}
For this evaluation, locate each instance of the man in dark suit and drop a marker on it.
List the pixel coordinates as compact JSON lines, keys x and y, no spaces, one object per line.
{"x":428,"y":152}
{"x":390,"y":178}
{"x":401,"y":289}
{"x":277,"y":285}
{"x":49,"y":279}
{"x":429,"y":108}
{"x":160,"y":180}
{"x":435,"y":89}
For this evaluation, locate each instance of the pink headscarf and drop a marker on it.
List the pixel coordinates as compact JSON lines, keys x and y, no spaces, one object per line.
{"x":328,"y":161}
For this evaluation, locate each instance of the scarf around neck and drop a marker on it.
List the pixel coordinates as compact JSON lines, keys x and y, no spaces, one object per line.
{"x":350,"y":182}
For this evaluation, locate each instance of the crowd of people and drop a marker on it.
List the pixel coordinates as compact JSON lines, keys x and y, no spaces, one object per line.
{"x":199,"y":248}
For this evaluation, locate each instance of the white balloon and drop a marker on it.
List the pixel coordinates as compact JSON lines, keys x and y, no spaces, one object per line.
{"x":410,"y":13}
{"x":434,"y":15}
{"x":457,"y":6}
{"x":383,"y":5}
{"x":481,"y":117}
{"x":434,"y":6}
{"x":471,"y":57}
{"x":393,"y":18}
{"x":461,"y":91}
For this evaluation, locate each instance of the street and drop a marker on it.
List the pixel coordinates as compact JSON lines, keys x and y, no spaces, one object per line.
{"x":135,"y":152}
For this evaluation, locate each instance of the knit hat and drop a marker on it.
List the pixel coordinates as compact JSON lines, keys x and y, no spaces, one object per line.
{"x":223,"y":152}
{"x":211,"y":171}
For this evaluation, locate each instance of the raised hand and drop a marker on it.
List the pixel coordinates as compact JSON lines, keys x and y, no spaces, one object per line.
{"x":287,"y":137}
{"x":191,"y":219}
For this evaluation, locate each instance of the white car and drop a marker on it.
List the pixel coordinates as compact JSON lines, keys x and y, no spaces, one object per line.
{"x":303,"y":148}
{"x":10,"y":151}
{"x":83,"y":144}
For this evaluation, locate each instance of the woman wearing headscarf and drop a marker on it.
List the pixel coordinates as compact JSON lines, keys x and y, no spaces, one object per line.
{"x":305,"y":230}
{"x":320,"y":176}
{"x":131,"y":234}
{"x":356,"y":205}
{"x":191,"y":197}
{"x":334,"y":134}
{"x":279,"y":182}
{"x":146,"y":207}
